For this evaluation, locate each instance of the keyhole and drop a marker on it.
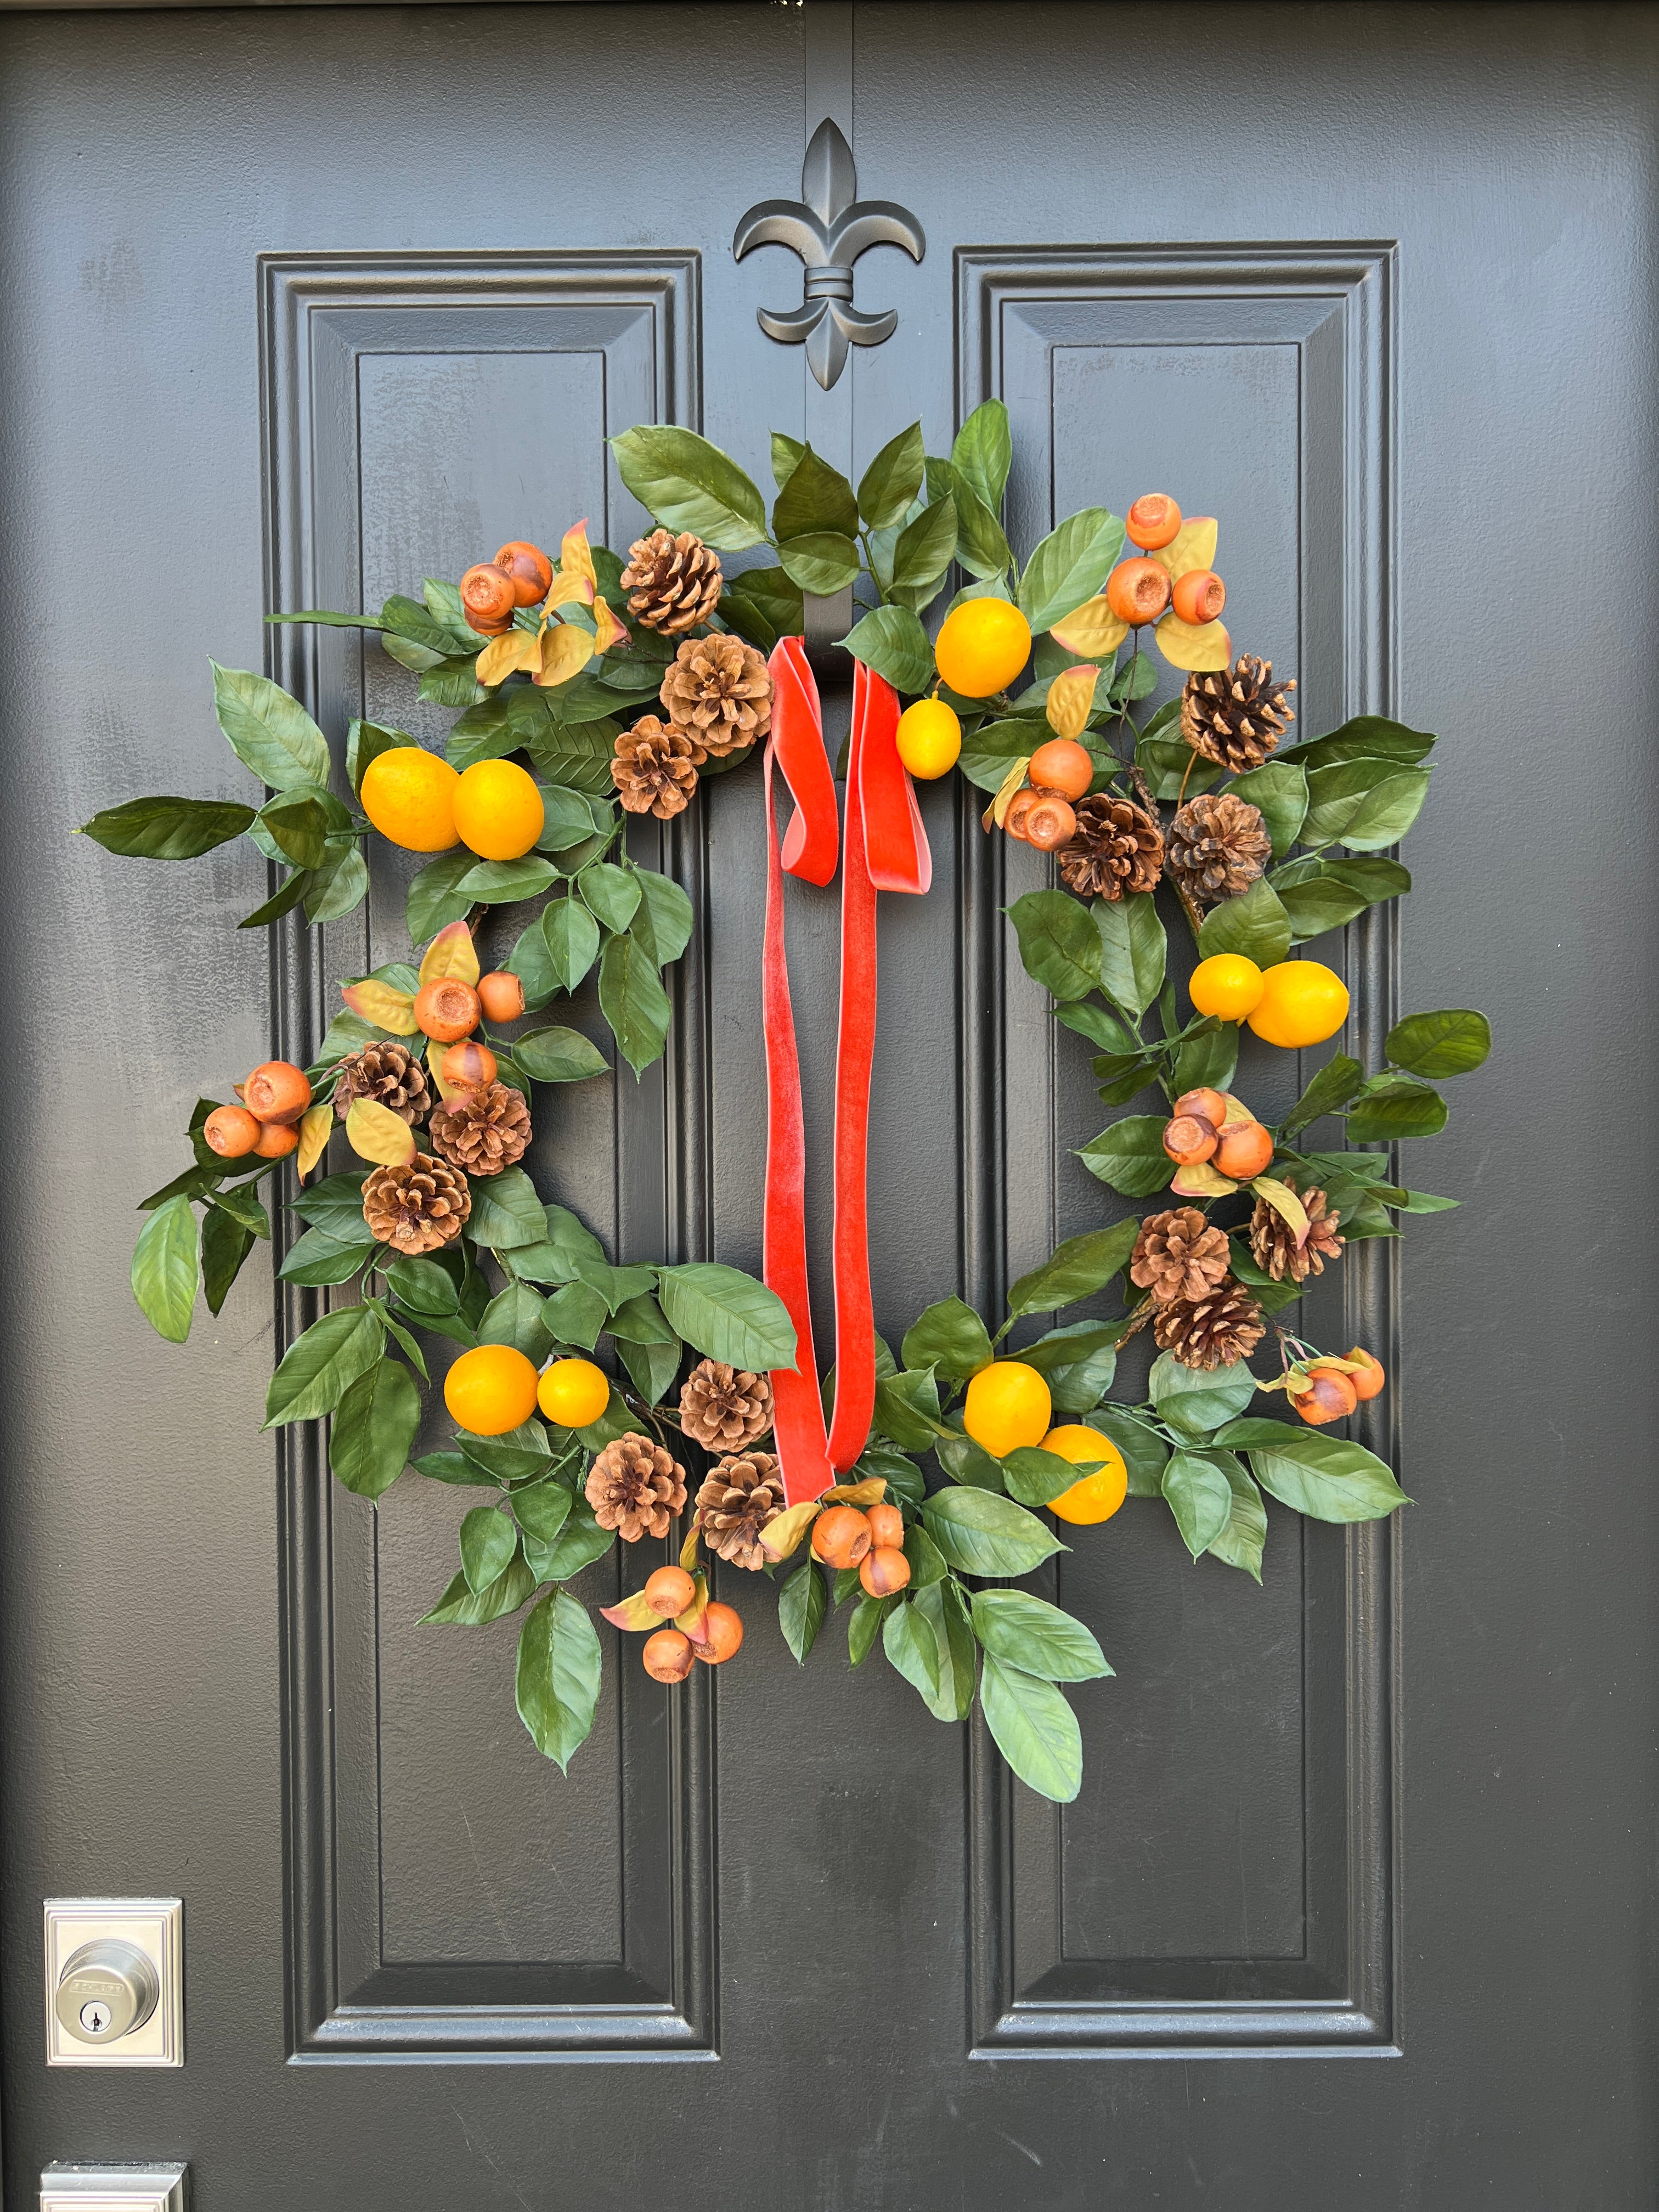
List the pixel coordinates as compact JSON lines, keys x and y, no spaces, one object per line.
{"x":94,"y":2017}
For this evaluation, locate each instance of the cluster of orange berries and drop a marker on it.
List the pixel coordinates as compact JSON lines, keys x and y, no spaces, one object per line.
{"x":1206,"y":1128}
{"x":449,"y":1010}
{"x":1139,"y":590}
{"x":872,"y":1539}
{"x":670,"y":1651}
{"x":1040,"y":813}
{"x":520,"y":575}
{"x":274,"y":1100}
{"x":1332,"y":1388}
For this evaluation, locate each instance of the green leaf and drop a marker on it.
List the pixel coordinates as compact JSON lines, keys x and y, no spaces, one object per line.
{"x":374,"y":1432}
{"x":572,"y":937}
{"x":911,"y":1647}
{"x":907,"y":1408}
{"x":612,"y":893}
{"x":319,"y":1258}
{"x":1341,"y":1079}
{"x":989,"y":752}
{"x":815,"y":498}
{"x":320,"y":1365}
{"x":282,"y":900}
{"x":1279,"y":790}
{"x":1038,"y":1638}
{"x":862,"y":1623}
{"x":1077,"y":1269}
{"x":786,"y":458}
{"x":1240,"y":1543}
{"x":1392,"y":1106}
{"x":167,"y":829}
{"x":504,"y":883}
{"x":803,"y":1601}
{"x":336,"y":1204}
{"x":1145,"y":1452}
{"x":727,"y":1314}
{"x":892,"y":641}
{"x":1079,"y":1361}
{"x":951,"y":1337}
{"x":1451,"y":1041}
{"x":575,"y":1314}
{"x":926,"y":547}
{"x":328,"y":619}
{"x":558,"y":1676}
{"x":1034,"y":1477}
{"x":891,"y":481}
{"x":565,"y":1247}
{"x":366,"y":742}
{"x":926,"y":1560}
{"x":1034,"y":1729}
{"x":1363,"y":804}
{"x":460,"y":1607}
{"x":983,"y":451}
{"x":514,"y":1316}
{"x":982,"y":546}
{"x":896,"y":1469}
{"x":1130,"y":1156}
{"x":298,"y":824}
{"x":669,"y":910}
{"x":1200,"y":1497}
{"x":568,"y":818}
{"x":488,"y":1540}
{"x":633,"y":1001}
{"x":226,"y":1243}
{"x":984,"y":1533}
{"x":1069,"y":566}
{"x":558,"y":1055}
{"x":1367,"y":736}
{"x":506,"y":1212}
{"x":1132,"y":949}
{"x":341,"y":885}
{"x":1097,"y":1025}
{"x":1208,"y":1059}
{"x":1173,"y":769}
{"x":689,"y":484}
{"x":578,"y":1544}
{"x":963,"y":1461}
{"x":541,"y":1510}
{"x":1196,"y":1398}
{"x":1319,"y":903}
{"x":165,"y":1269}
{"x":434,"y":896}
{"x":1325,"y":1477}
{"x":1059,"y":943}
{"x":823,"y":562}
{"x":1256,"y":925}
{"x":268,"y":730}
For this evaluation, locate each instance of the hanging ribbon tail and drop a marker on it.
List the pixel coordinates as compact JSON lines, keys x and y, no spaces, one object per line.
{"x":795,"y":746}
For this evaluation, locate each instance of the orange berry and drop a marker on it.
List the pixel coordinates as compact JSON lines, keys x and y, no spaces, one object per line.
{"x":276,"y":1141}
{"x":1062,"y":765}
{"x":1188,"y":1139}
{"x":232,"y":1132}
{"x":667,"y":1655}
{"x":468,"y":1065}
{"x":1208,"y":1105}
{"x":1243,"y":1150}
{"x":1138,"y":591}
{"x":529,"y":568}
{"x":1369,"y":1384}
{"x":669,"y":1591}
{"x":1050,"y":823}
{"x":886,"y":1527}
{"x":501,"y":994}
{"x":446,"y":1009}
{"x":488,"y":596}
{"x":278,"y":1091}
{"x":1332,"y":1397}
{"x":722,"y":1632}
{"x":1152,"y":521}
{"x":1018,"y":807}
{"x":1198,"y":596}
{"x":840,"y":1536}
{"x":883,"y":1571}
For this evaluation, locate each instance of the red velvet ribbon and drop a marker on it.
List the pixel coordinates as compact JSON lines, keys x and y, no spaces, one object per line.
{"x":886,"y":849}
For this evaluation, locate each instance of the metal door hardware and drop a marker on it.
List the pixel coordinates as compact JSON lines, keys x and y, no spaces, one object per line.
{"x":114,"y":2188}
{"x":115,"y":1982}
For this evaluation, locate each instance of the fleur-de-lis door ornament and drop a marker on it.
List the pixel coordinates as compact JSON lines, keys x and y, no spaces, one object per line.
{"x":829,"y":228}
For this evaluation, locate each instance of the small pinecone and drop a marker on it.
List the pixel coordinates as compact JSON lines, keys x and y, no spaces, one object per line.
{"x":676,"y":581}
{"x":1178,"y":1256}
{"x":718,"y":691}
{"x":482,"y":1131}
{"x":1218,"y":847}
{"x":1236,"y":716}
{"x":724,"y":1408}
{"x":1273,"y":1240}
{"x":1214,"y":1331}
{"x":744,"y":1491}
{"x":636,"y":1487}
{"x":389,"y":1074}
{"x":1118,"y":848}
{"x":654,"y":768}
{"x":417,"y":1206}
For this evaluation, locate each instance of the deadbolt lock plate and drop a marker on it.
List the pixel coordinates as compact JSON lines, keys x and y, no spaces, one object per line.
{"x":114,"y":2189}
{"x":115,"y":1981}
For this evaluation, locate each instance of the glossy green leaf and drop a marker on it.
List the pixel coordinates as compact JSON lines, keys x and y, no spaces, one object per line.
{"x":1059,"y":943}
{"x":165,"y":1269}
{"x":320,"y":1258}
{"x":1363,"y":804}
{"x":689,"y":484}
{"x":984,"y":452}
{"x":1197,"y":1398}
{"x":283,"y":899}
{"x":506,"y":1212}
{"x":1200,"y":1497}
{"x":1341,"y":1079}
{"x":785,"y":457}
{"x":1366,"y":737}
{"x":1130,"y":1156}
{"x":1208,"y":1059}
{"x":634,"y":1002}
{"x":1132,"y":951}
{"x":981,"y":545}
{"x":541,"y":1510}
{"x":269,"y":731}
{"x":373,"y":1431}
{"x":335,"y":1204}
{"x":1034,"y":1477}
{"x":816,"y":497}
{"x":863,"y":1625}
{"x":488,"y":1540}
{"x":951,"y":1337}
{"x":1325,"y":1477}
{"x":727,"y":1314}
{"x":1079,"y":1362}
{"x":434,"y":896}
{"x":560,"y":1252}
{"x":612,"y":893}
{"x":575,"y":1314}
{"x":1033,"y":1729}
{"x":558,"y":1055}
{"x":1279,"y":790}
{"x":1077,"y":1269}
{"x":669,"y":910}
{"x":1029,"y":1634}
{"x":167,"y":829}
{"x":578,"y":1544}
{"x":803,"y":1601}
{"x":926,"y":547}
{"x":460,"y":1607}
{"x":823,"y":562}
{"x":1256,"y":925}
{"x":983,"y":1533}
{"x":1069,"y":566}
{"x":926,"y":1560}
{"x":911,"y":1644}
{"x":572,"y":938}
{"x":320,"y":1366}
{"x":1394,"y":1106}
{"x":1240,"y":1543}
{"x":1450,"y":1041}
{"x":965,"y":1463}
{"x":558,"y":1676}
{"x":1145,"y":1452}
{"x":892,"y":480}
{"x":226,"y":1243}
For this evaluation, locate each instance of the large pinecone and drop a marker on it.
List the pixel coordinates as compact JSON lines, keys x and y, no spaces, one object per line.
{"x":718,"y":691}
{"x":482,"y":1131}
{"x":1118,"y":848}
{"x":389,"y":1074}
{"x":1236,"y":716}
{"x":636,"y":1487}
{"x":1218,"y":847}
{"x":1178,"y":1256}
{"x":1273,"y":1240}
{"x":676,"y":581}
{"x":723,"y":1408}
{"x":1214,"y":1331}
{"x":744,"y":1491}
{"x":655,"y":768}
{"x":417,"y":1206}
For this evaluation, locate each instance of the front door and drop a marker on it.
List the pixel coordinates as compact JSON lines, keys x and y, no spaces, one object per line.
{"x":1354,"y":1906}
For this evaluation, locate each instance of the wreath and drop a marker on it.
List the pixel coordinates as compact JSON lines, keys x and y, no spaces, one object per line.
{"x":596,"y":1396}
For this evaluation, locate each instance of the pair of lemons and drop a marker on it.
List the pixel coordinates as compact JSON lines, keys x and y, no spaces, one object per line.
{"x":1008,"y":1406}
{"x":1297,"y":1002}
{"x":494,"y":1388}
{"x":419,"y":802}
{"x":981,"y":649}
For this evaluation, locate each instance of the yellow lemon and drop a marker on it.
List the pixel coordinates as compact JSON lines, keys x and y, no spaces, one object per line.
{"x":498,"y":810}
{"x":929,"y":739}
{"x":1301,"y":1003}
{"x":574,"y":1393}
{"x":409,"y":794}
{"x":490,"y":1390}
{"x":1008,"y":1405}
{"x":1094,"y":1496}
{"x":1226,"y":984}
{"x":983,"y":647}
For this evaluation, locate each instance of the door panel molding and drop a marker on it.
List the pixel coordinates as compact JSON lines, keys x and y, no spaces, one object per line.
{"x":630,"y":324}
{"x":1327,"y":309}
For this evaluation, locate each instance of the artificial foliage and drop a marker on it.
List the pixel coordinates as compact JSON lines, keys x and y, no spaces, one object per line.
{"x":622,"y":681}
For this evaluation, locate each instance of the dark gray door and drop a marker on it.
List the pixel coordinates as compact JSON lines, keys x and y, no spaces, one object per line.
{"x":321,"y":299}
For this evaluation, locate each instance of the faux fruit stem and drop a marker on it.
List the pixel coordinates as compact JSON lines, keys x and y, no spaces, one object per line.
{"x":1144,"y":792}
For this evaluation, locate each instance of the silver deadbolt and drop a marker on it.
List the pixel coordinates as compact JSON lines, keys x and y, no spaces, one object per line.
{"x":106,"y":1990}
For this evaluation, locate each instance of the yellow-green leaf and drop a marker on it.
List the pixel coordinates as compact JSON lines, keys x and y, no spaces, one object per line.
{"x":607,"y":629}
{"x":780,"y":1539}
{"x":378,"y":1003}
{"x":1013,"y":782}
{"x":435,"y":1050}
{"x":1093,"y":629}
{"x":452,"y":953}
{"x":565,"y":650}
{"x":1283,"y":1201}
{"x":633,"y":1614}
{"x":871,"y":1491}
{"x":568,"y":588}
{"x":575,"y":557}
{"x":375,"y":1132}
{"x":1193,"y":644}
{"x":514,"y":649}
{"x":1071,"y":696}
{"x":313,"y":1137}
{"x":1201,"y":1181}
{"x":1192,"y":547}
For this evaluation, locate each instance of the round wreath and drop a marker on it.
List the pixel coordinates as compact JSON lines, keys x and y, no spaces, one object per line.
{"x":603,"y":686}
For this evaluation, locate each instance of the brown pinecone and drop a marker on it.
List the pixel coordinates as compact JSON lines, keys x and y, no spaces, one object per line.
{"x":676,"y":581}
{"x":1214,"y":1331}
{"x":1118,"y":848}
{"x":744,"y":1491}
{"x":482,"y":1131}
{"x":1178,"y":1256}
{"x":1218,"y":847}
{"x":718,"y":691}
{"x":391,"y":1075}
{"x":723,"y":1408}
{"x":1236,"y":716}
{"x":1273,"y":1240}
{"x":636,"y":1487}
{"x":654,"y":768}
{"x":417,"y":1206}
